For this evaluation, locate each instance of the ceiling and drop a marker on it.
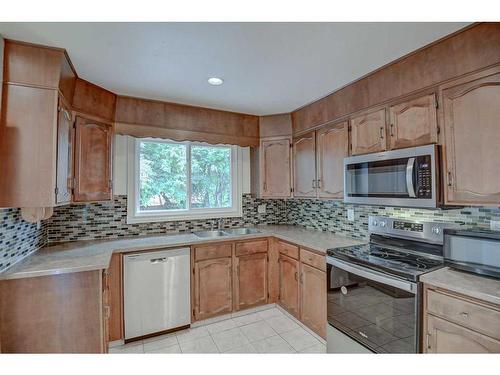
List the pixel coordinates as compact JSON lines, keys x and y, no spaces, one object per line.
{"x":267,"y":67}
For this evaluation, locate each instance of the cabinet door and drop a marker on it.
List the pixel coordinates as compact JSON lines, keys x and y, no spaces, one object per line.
{"x":304,"y":166}
{"x":332,"y":144}
{"x":445,"y":337}
{"x":250,"y":280}
{"x":368,"y":133}
{"x":472,"y":131}
{"x":115,"y":281}
{"x":64,"y":174}
{"x":313,"y":298}
{"x":213,"y":288}
{"x":275,"y":167}
{"x":289,"y":284}
{"x":92,"y":161}
{"x":413,"y":123}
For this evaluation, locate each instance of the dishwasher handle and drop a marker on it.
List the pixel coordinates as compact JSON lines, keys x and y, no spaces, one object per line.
{"x":159,"y":260}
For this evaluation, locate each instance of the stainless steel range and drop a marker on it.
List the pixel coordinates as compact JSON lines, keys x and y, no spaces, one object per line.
{"x":374,"y":294}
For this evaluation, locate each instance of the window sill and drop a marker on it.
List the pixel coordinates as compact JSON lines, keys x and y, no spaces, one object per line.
{"x":152,"y":218}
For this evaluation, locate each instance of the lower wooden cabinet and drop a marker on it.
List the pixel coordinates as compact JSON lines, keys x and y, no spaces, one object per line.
{"x":289,"y":284}
{"x":250,"y":282}
{"x":313,"y":298}
{"x":213,"y":289}
{"x":115,"y":298}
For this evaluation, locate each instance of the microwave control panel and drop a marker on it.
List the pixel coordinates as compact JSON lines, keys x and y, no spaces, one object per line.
{"x":424,"y":177}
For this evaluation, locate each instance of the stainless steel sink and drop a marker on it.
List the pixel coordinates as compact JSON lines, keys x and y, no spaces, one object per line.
{"x":240,"y":231}
{"x":211,"y":234}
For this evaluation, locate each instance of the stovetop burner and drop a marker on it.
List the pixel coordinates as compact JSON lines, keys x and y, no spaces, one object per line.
{"x":397,"y":262}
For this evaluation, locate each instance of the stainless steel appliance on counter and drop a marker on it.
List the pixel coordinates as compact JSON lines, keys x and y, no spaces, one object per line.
{"x":374,"y":294}
{"x":473,"y":250}
{"x":407,"y":177}
{"x":156,"y":291}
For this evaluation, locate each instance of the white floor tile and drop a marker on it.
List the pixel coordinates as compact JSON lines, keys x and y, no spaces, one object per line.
{"x":299,"y":339}
{"x":160,"y":342}
{"x":128,"y":349}
{"x":201,"y":345}
{"x":191,"y":334}
{"x":221,"y":326}
{"x":258,"y":331}
{"x":270,"y":313}
{"x":316,"y":349}
{"x":246,"y":319}
{"x":247,"y":348}
{"x":174,"y":349}
{"x":282,"y":324}
{"x":274,"y":344}
{"x":229,"y":339}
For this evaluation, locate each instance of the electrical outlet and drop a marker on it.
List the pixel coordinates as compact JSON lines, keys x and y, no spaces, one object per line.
{"x":350,"y":214}
{"x":261,"y":208}
{"x":494,"y":225}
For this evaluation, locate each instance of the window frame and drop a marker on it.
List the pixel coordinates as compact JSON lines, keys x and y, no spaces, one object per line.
{"x":135,"y":215}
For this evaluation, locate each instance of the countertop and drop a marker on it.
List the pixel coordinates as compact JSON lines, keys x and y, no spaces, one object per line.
{"x":480,"y":287}
{"x":95,"y":255}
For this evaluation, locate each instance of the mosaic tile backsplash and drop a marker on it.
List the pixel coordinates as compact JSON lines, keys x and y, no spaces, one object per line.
{"x":18,"y":238}
{"x":108,"y":220}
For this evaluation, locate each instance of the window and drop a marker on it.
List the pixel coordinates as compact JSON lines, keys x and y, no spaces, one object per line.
{"x":182,"y":180}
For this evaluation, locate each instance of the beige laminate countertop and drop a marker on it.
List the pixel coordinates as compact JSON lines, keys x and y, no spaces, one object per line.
{"x":95,"y":255}
{"x":480,"y":287}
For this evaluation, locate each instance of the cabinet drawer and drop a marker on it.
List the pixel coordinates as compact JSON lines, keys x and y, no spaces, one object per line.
{"x":313,"y":259}
{"x":468,"y":314}
{"x":212,"y":251}
{"x":251,"y":247}
{"x":288,"y":249}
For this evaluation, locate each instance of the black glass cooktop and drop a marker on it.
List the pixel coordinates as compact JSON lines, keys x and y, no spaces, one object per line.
{"x":397,"y":262}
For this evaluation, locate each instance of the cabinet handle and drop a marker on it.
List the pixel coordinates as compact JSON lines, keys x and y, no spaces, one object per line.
{"x":381,"y":132}
{"x":427,"y":341}
{"x":107,"y":312}
{"x":318,"y":184}
{"x":392,"y":130}
{"x":464,"y":315}
{"x":296,"y":276}
{"x":449,"y":179}
{"x":265,"y":186}
{"x":301,"y":278}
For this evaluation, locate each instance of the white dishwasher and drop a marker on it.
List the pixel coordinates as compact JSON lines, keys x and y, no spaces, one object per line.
{"x":156,"y":291}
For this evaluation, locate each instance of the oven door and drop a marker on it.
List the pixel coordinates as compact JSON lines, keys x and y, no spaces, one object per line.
{"x":401,"y":177}
{"x":371,"y":309}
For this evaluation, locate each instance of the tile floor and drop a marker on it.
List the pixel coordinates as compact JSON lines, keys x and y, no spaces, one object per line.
{"x":265,"y":331}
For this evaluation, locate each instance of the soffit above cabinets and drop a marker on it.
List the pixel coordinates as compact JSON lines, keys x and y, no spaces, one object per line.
{"x":267,"y":67}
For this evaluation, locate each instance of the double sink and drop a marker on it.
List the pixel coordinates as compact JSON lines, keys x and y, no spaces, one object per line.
{"x":226,"y":232}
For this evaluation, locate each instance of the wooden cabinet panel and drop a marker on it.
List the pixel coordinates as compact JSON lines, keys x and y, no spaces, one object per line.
{"x":313,"y":259}
{"x":472,"y":131}
{"x":368,"y":133}
{"x":445,"y":337}
{"x":250,"y":280}
{"x":304,"y":166}
{"x":251,"y":247}
{"x":115,"y":299}
{"x":289,"y":284}
{"x":313,"y":298}
{"x":288,"y":249}
{"x":212,"y":288}
{"x":92,"y":161}
{"x":413,"y":123}
{"x":64,"y":165}
{"x":332,"y":147}
{"x":212,"y":251}
{"x":275,"y":167}
{"x":94,"y":100}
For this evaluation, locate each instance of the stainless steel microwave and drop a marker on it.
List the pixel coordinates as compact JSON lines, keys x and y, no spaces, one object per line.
{"x":406,"y":177}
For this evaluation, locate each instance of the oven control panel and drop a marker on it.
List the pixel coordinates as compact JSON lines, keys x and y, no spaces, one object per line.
{"x":409,"y":226}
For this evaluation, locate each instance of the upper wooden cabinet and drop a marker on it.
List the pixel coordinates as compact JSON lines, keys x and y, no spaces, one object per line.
{"x":471,"y":116}
{"x":304,"y":166}
{"x":332,"y":146}
{"x":413,"y":123}
{"x":93,"y":147}
{"x":275,"y":168}
{"x":64,"y":165}
{"x":368,"y":132}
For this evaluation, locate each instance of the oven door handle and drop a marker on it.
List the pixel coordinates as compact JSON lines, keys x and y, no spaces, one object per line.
{"x":373,"y":275}
{"x":409,"y":177}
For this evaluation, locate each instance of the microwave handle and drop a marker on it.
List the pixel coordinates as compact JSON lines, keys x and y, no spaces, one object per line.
{"x":409,"y":177}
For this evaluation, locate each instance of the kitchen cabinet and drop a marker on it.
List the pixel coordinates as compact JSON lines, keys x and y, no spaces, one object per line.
{"x":289,"y":284}
{"x":213,"y":282}
{"x":313,"y":298}
{"x":332,"y":145}
{"x":115,"y":298}
{"x":64,"y":165}
{"x":413,"y":122}
{"x":471,"y":122}
{"x":304,"y":166}
{"x":275,"y":168}
{"x":251,"y":274}
{"x":93,"y":142}
{"x":454,"y":323}
{"x":368,"y":132}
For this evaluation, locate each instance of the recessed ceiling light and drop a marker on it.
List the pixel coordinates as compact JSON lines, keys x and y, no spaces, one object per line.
{"x":215,"y":81}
